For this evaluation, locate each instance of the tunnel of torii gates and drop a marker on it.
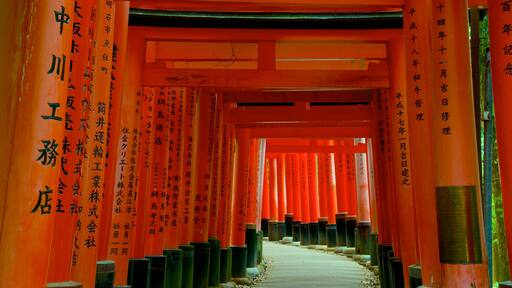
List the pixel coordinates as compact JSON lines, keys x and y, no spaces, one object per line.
{"x":156,"y":149}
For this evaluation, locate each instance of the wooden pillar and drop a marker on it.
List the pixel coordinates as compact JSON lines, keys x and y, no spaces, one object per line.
{"x":273,"y":184}
{"x":314,"y":209}
{"x":253,"y":184}
{"x":341,"y":182}
{"x":456,"y":174}
{"x":331,"y":188}
{"x":92,"y":186}
{"x":289,"y":185}
{"x":240,"y":201}
{"x":297,"y":208}
{"x":203,"y":155}
{"x":216,"y":180}
{"x":304,"y":189}
{"x":401,"y":159}
{"x":176,"y":150}
{"x":281,"y":187}
{"x":185,"y":198}
{"x":69,"y":177}
{"x":37,"y":144}
{"x":265,"y":211}
{"x":501,"y":55}
{"x":363,"y":194}
{"x":322,"y":183}
{"x":419,"y":103}
{"x":226,"y":191}
{"x":351,"y":180}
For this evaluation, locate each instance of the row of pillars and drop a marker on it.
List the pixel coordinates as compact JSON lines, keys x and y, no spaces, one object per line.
{"x":113,"y":184}
{"x":321,"y":198}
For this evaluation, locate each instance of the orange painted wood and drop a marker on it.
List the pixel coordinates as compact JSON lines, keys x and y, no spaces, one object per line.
{"x":265,"y":211}
{"x":114,"y":135}
{"x":69,"y":178}
{"x":351,"y":181}
{"x":304,"y":188}
{"x":314,"y":208}
{"x":419,"y":89}
{"x":228,"y":183}
{"x":290,"y":207}
{"x":341,"y":180}
{"x":454,"y":135}
{"x":186,"y":196}
{"x":29,"y":200}
{"x":273,"y":184}
{"x":202,"y":164}
{"x":216,"y":180}
{"x":330,"y":173}
{"x":297,"y":96}
{"x":362,"y":185}
{"x":176,"y":151}
{"x":295,"y":131}
{"x":251,"y":200}
{"x":282,"y":188}
{"x":240,"y":198}
{"x":498,"y":18}
{"x":401,"y":159}
{"x":297,"y":185}
{"x":92,"y":186}
{"x":245,"y":79}
{"x":322,"y":183}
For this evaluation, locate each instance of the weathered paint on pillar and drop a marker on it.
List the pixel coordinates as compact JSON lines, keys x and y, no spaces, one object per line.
{"x":74,"y":132}
{"x":501,"y":55}
{"x":36,"y":145}
{"x":314,"y":209}
{"x":265,"y":211}
{"x":240,"y":200}
{"x":419,"y":88}
{"x":262,"y":149}
{"x":281,"y":187}
{"x":363,"y":193}
{"x":459,"y":209}
{"x":401,"y":159}
{"x":202,"y":164}
{"x":84,"y":265}
{"x":351,"y":180}
{"x":374,"y":186}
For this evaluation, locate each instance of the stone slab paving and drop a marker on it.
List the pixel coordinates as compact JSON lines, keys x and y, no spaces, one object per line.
{"x":299,"y":267}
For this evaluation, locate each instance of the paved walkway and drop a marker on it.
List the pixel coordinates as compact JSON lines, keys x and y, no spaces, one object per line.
{"x":294,"y":267}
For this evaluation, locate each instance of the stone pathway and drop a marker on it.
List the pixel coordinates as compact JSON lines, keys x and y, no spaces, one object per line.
{"x":298,"y":267}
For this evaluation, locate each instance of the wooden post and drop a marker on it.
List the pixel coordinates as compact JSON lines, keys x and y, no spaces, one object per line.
{"x":313,"y":188}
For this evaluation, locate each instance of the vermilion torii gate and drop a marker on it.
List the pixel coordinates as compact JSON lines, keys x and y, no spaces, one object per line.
{"x":151,"y":149}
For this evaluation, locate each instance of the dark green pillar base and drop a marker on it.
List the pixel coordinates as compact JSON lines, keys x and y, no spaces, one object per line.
{"x":138,"y":273}
{"x":288,"y":220}
{"x":187,"y":278}
{"x":331,"y":235}
{"x":313,"y":234}
{"x":396,"y":273}
{"x":273,"y":231}
{"x":322,"y":231}
{"x":69,"y":284}
{"x":296,"y":231}
{"x":202,"y":251}
{"x":383,"y":265}
{"x":156,"y":271}
{"x":123,"y":286}
{"x":239,"y":262}
{"x":341,"y":236}
{"x":225,"y":265}
{"x":214,"y":274}
{"x":350,"y":225}
{"x":374,"y":249}
{"x":304,"y":234}
{"x":105,"y":274}
{"x":415,"y":276}
{"x":264,"y":227}
{"x":260,"y":246}
{"x":251,"y":241}
{"x":173,"y":268}
{"x":505,"y":284}
{"x":363,"y":238}
{"x":281,"y":230}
